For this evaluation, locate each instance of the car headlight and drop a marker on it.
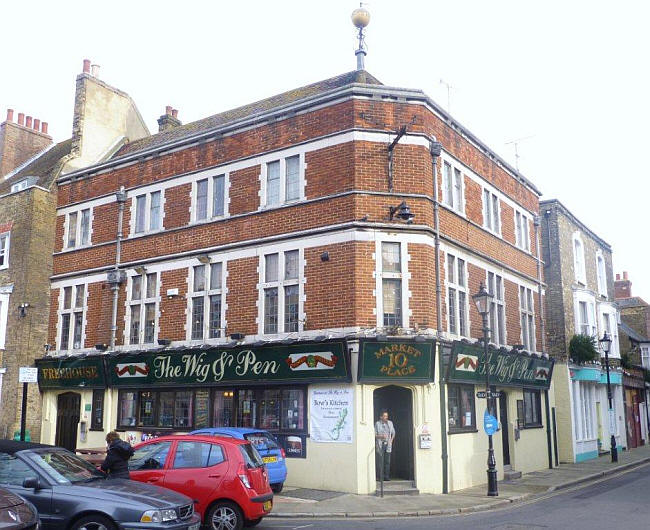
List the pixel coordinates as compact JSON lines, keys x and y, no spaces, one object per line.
{"x":158,"y":516}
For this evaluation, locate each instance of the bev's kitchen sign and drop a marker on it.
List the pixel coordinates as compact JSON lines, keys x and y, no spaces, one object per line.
{"x":467,"y":365}
{"x":395,"y":361}
{"x":322,"y":361}
{"x":71,"y":372}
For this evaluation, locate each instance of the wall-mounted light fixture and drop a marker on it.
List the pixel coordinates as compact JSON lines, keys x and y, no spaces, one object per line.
{"x":204,"y":258}
{"x":140,"y":269}
{"x":164,"y":342}
{"x":237,"y":336}
{"x":22,"y":309}
{"x":325,"y":256}
{"x":172,"y":293}
{"x":403,"y":212}
{"x":101,"y":347}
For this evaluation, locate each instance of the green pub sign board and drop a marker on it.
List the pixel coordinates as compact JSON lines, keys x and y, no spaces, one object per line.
{"x":72,"y":372}
{"x":301,"y":362}
{"x":395,"y":361}
{"x":467,"y":365}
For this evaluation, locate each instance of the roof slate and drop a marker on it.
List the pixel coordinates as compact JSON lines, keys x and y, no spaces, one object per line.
{"x":634,"y":336}
{"x":279,"y":100}
{"x":46,"y":167}
{"x":633,"y":301}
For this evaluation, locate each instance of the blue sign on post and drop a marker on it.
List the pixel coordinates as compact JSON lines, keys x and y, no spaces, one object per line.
{"x":490,"y":423}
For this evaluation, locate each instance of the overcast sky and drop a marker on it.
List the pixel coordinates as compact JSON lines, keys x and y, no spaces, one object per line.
{"x":572,"y":77}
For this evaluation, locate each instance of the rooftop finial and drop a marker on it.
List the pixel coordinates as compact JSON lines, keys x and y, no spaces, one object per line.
{"x":360,"y":19}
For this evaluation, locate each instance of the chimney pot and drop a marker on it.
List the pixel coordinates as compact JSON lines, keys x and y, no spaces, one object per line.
{"x":37,"y":124}
{"x":86,"y":69}
{"x":174,"y":113}
{"x":618,"y":276}
{"x":21,"y":118}
{"x":168,"y":110}
{"x":94,"y":70}
{"x":28,"y":122}
{"x":10,"y":115}
{"x":625,"y":275}
{"x":44,"y":127}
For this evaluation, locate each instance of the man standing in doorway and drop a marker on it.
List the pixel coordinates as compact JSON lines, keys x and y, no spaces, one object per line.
{"x":384,"y":436}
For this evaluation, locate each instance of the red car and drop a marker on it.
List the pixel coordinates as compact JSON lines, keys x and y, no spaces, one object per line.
{"x":225,"y":476}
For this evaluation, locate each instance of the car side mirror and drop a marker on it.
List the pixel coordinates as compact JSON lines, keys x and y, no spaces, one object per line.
{"x":32,"y":483}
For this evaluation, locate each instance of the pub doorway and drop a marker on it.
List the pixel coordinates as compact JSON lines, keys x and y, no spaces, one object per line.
{"x":68,"y":409}
{"x":398,"y":401}
{"x":505,"y":434}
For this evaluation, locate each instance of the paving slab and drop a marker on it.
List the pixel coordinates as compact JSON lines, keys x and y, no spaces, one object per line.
{"x":305,"y":503}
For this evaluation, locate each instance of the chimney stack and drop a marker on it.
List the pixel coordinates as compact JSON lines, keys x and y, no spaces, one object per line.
{"x":44,"y":127}
{"x":169,"y":120}
{"x":622,"y":288}
{"x":86,"y":69}
{"x":20,"y":141}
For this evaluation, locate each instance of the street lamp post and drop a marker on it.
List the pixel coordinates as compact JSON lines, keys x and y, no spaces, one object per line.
{"x":605,"y":344}
{"x":482,"y":299}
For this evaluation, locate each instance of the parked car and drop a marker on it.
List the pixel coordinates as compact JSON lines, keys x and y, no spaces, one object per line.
{"x":16,"y":513}
{"x":225,"y":476}
{"x":71,"y":494}
{"x":268,"y":447}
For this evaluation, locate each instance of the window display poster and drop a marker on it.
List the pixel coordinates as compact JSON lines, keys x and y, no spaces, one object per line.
{"x":331,"y":414}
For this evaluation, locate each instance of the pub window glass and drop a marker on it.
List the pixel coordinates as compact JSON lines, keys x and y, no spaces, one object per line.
{"x":246,"y":409}
{"x":166,"y":415}
{"x":461,"y":407}
{"x":293,"y":408}
{"x":147,"y":409}
{"x":97,"y":418}
{"x":223,"y":408}
{"x":128,"y":409}
{"x":183,"y":409}
{"x":270,"y":409}
{"x":201,"y":409}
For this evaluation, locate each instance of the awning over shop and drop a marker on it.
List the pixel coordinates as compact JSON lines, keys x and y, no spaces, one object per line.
{"x":396,"y":361}
{"x":507,"y":368}
{"x":71,"y":371}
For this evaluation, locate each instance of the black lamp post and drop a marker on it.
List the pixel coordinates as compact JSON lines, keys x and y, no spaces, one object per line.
{"x":605,"y":344}
{"x":483,"y":299}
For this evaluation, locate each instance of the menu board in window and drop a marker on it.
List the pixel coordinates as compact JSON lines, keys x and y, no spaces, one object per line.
{"x":202,"y":409}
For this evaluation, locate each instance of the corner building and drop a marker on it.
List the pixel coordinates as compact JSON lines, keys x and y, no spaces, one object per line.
{"x":276,"y":267}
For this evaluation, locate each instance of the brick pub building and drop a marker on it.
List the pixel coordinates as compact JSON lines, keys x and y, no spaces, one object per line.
{"x":275,"y":266}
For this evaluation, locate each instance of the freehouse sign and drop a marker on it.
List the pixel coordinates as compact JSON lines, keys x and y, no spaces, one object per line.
{"x":467,"y":365}
{"x":395,"y":361}
{"x":323,"y":361}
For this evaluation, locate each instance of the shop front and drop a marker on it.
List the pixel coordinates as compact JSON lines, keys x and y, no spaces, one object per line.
{"x":521,"y":399}
{"x":634,"y":397}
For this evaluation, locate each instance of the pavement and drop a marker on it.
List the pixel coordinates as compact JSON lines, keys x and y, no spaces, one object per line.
{"x":324,"y":504}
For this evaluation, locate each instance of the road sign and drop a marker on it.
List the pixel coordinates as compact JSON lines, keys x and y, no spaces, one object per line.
{"x":27,"y":374}
{"x":490,"y":423}
{"x":483,"y":395}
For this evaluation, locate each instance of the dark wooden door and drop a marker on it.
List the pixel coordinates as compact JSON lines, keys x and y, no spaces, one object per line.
{"x":505,"y":436}
{"x":67,"y":420}
{"x":398,"y":402}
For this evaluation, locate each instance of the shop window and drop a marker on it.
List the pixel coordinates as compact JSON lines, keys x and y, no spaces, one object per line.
{"x":246,"y":409}
{"x":461,"y":408}
{"x":270,"y":410}
{"x":97,"y":418}
{"x":224,"y":408}
{"x":293,"y":415}
{"x":532,"y":409}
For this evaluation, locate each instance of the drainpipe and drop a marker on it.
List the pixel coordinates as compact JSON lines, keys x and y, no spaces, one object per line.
{"x":435,"y":148}
{"x":117,"y":276}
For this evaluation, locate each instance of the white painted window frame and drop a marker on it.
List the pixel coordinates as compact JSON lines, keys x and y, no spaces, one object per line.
{"x":522,"y":230}
{"x":525,"y":310}
{"x":488,"y":212}
{"x":71,"y":311}
{"x":142,"y":303}
{"x":404,"y":276}
{"x":280,"y":284}
{"x":601,"y":273}
{"x":206,"y":294}
{"x":444,"y":189}
{"x":77,"y":228}
{"x":453,"y":284}
{"x":147,"y":212}
{"x":283,"y":180}
{"x":7,"y":245}
{"x":499,"y":300}
{"x":590,"y":300}
{"x":579,"y":263}
{"x":613,"y":317}
{"x":210,"y":216}
{"x":4,"y":313}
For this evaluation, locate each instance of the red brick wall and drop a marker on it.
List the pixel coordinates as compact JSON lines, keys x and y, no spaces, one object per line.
{"x":242,"y":296}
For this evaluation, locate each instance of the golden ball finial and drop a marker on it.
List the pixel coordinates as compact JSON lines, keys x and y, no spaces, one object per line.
{"x":360,"y":17}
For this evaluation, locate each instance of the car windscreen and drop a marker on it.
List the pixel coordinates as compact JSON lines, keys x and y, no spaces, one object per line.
{"x":262,"y":440}
{"x":251,"y":457}
{"x":63,"y":466}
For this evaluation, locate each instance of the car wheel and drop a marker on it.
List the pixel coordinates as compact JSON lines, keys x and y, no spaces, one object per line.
{"x":93,"y":522}
{"x":277,"y":488}
{"x":253,"y":522}
{"x":225,"y":516}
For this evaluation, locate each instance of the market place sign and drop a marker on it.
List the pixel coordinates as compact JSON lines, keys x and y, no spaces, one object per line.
{"x":467,"y":365}
{"x":404,"y":361}
{"x":303,"y":362}
{"x":72,"y":372}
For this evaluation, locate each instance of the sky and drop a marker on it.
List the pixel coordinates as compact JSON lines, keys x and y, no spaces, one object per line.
{"x":568,"y":80}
